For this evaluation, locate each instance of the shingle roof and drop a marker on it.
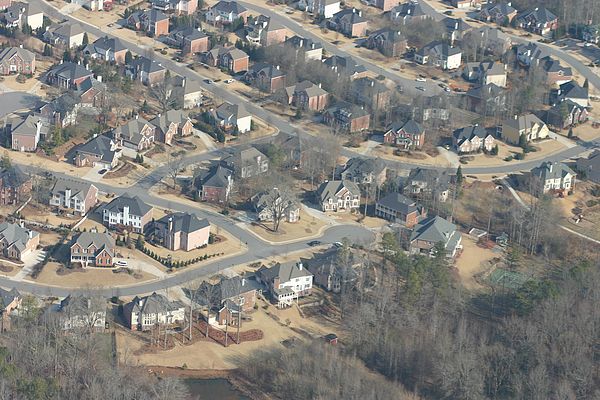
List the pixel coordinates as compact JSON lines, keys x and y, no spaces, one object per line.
{"x":408,"y":9}
{"x":184,"y":222}
{"x":229,"y":7}
{"x":350,"y":15}
{"x":100,"y":145}
{"x":13,"y":177}
{"x":78,"y":189}
{"x":270,"y":70}
{"x":399,"y":202}
{"x":541,"y":15}
{"x":153,"y":304}
{"x":552,"y":170}
{"x":135,"y":204}
{"x":572,"y":90}
{"x":346,"y":65}
{"x":285,"y":272}
{"x":8,"y":296}
{"x":524,"y":121}
{"x":359,"y":165}
{"x":163,"y":121}
{"x":147,"y":65}
{"x":10,"y":52}
{"x":502,"y":7}
{"x":304,"y":43}
{"x":433,"y":229}
{"x":70,"y":71}
{"x":16,"y":235}
{"x":100,"y":240}
{"x":216,"y":176}
{"x":107,"y":43}
{"x":469,"y":132}
{"x":328,"y":190}
{"x":131,"y":130}
{"x":66,"y":29}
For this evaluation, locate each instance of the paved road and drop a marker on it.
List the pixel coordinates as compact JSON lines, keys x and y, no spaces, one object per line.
{"x":16,"y":101}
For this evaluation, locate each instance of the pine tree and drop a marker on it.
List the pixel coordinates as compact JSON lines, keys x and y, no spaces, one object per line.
{"x":459,"y":176}
{"x":5,"y":162}
{"x":586,"y":84}
{"x":85,"y":40}
{"x":570,"y":134}
{"x":128,"y":57}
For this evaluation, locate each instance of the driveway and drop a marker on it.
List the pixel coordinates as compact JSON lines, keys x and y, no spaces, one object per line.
{"x":141,"y":265}
{"x":29,"y":261}
{"x":93,"y":175}
{"x":15,"y":101}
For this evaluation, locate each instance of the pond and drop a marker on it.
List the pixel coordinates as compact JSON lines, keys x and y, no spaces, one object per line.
{"x":213,"y":389}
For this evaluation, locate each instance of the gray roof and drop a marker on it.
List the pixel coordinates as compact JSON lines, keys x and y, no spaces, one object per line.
{"x":147,"y":65}
{"x":163,"y":121}
{"x":328,"y":190}
{"x":130,"y":132}
{"x":352,"y":110}
{"x":408,"y":9}
{"x":440,"y":180}
{"x":90,"y":83}
{"x":78,"y":189}
{"x":310,"y":88}
{"x":285,"y":272}
{"x":230,"y":113}
{"x":525,"y":121}
{"x":66,"y":29}
{"x":184,"y":222}
{"x":411,"y":126}
{"x":100,"y":145}
{"x":8,"y":296}
{"x":229,"y":7}
{"x":441,"y":48}
{"x":502,"y":7}
{"x":399,"y":202}
{"x":344,"y":65}
{"x":15,"y":234}
{"x":469,"y":132}
{"x":350,"y":15}
{"x":106,"y":43}
{"x":433,"y":229}
{"x":303,"y":43}
{"x":541,"y":15}
{"x":243,"y":156}
{"x":217,"y":176}
{"x":81,"y":305}
{"x":270,"y":197}
{"x":13,"y":177}
{"x":70,"y":71}
{"x":590,"y":166}
{"x":455,"y":24}
{"x":552,"y":170}
{"x":550,"y":64}
{"x":388,"y":34}
{"x":360,"y":166}
{"x":488,"y":91}
{"x":100,"y":240}
{"x":153,"y":304}
{"x":10,"y":52}
{"x":572,"y":90}
{"x":26,"y":126}
{"x":270,"y":70}
{"x":135,"y":204}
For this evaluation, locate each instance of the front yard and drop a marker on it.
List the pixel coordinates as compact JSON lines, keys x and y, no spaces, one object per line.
{"x":307,"y":227}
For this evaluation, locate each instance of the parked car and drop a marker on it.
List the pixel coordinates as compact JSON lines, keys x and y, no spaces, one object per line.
{"x":121,"y":263}
{"x":102,"y":171}
{"x":421,"y":79}
{"x":228,"y":81}
{"x":314,"y":243}
{"x":209,"y":81}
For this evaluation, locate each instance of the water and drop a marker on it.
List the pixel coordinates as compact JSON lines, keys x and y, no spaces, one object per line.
{"x":213,"y":389}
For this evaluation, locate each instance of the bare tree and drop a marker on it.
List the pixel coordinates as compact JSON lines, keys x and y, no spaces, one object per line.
{"x":174,"y":166}
{"x":164,"y":94}
{"x":208,"y":294}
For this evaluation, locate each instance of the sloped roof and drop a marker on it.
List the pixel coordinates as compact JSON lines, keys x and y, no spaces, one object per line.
{"x":163,"y":121}
{"x":541,"y":15}
{"x":229,"y":7}
{"x":131,"y":130}
{"x":217,"y":176}
{"x":469,"y":132}
{"x":184,"y":222}
{"x":135,"y":204}
{"x":552,"y":170}
{"x":433,"y":229}
{"x":346,"y":65}
{"x":70,"y":71}
{"x":8,"y":296}
{"x":100,"y":240}
{"x":502,"y":7}
{"x":304,"y":43}
{"x":78,"y":189}
{"x":360,"y":165}
{"x":147,"y":65}
{"x":328,"y":190}
{"x":270,"y":70}
{"x":524,"y":121}
{"x":350,"y":15}
{"x":285,"y":272}
{"x":66,"y":29}
{"x":408,"y":9}
{"x":106,"y":43}
{"x":399,"y":202}
{"x":10,"y":52}
{"x":13,"y":177}
{"x":153,"y":304}
{"x":100,"y":145}
{"x":572,"y":90}
{"x":16,"y":235}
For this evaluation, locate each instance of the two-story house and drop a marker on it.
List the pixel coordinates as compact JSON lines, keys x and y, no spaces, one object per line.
{"x":232,"y":117}
{"x":431,"y":231}
{"x":347,"y":117}
{"x":170,"y":124}
{"x":553,"y":177}
{"x":127,"y":212}
{"x":181,"y":231}
{"x":73,"y":196}
{"x":16,"y":241}
{"x":363,"y":171}
{"x":502,"y":13}
{"x":528,"y":125}
{"x":93,"y":249}
{"x":423,"y":183}
{"x":306,"y":95}
{"x":15,"y":186}
{"x":214,"y":185}
{"x":407,"y":135}
{"x":137,"y":134}
{"x":99,"y":151}
{"x":439,"y":54}
{"x":349,"y":22}
{"x":390,"y":42}
{"x":263,"y":31}
{"x":338,"y":196}
{"x":270,"y":205}
{"x":247,"y":162}
{"x":266,"y":77}
{"x":144,"y":313}
{"x":16,"y":60}
{"x":472,"y":138}
{"x":286,"y":282}
{"x":149,"y":72}
{"x":538,"y":20}
{"x":153,"y":22}
{"x":400,"y":209}
{"x":225,"y":12}
{"x":68,"y":75}
{"x":107,"y":49}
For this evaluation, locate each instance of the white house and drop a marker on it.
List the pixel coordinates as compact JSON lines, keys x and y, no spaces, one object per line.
{"x":286,"y":282}
{"x":127,"y":211}
{"x":326,"y":8}
{"x":336,"y":196}
{"x":439,"y":54}
{"x":145,"y":312}
{"x":553,"y":176}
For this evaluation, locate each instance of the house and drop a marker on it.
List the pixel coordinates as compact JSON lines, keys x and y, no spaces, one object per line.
{"x":486,"y":73}
{"x":81,"y":312}
{"x":269,"y":206}
{"x":308,"y":48}
{"x":407,"y":12}
{"x":572,"y":91}
{"x":214,"y":185}
{"x":590,"y":166}
{"x":25,"y":132}
{"x":370,"y":93}
{"x":232,"y":117}
{"x":430,"y":108}
{"x":16,"y":241}
{"x":407,"y":135}
{"x":19,"y":14}
{"x":363,"y":171}
{"x":171,"y":124}
{"x":230,"y":297}
{"x":144,"y":313}
{"x":431,"y":231}
{"x":347,"y":117}
{"x":591,"y":34}
{"x":335,"y":269}
{"x":73,"y":196}
{"x":181,"y":231}
{"x":93,"y":249}
{"x":553,"y":177}
{"x":246,"y":162}
{"x":226,"y":12}
{"x":566,"y":114}
{"x":268,"y":78}
{"x":292,"y":148}
{"x":189,"y":40}
{"x":286,"y":282}
{"x":400,"y":209}
{"x":493,"y":40}
{"x":529,"y":54}
{"x":65,"y":34}
{"x":137,"y":134}
{"x":62,"y":111}
{"x":502,"y":13}
{"x":556,"y":74}
{"x":349,"y":22}
{"x":538,"y":20}
{"x":527,"y":125}
{"x":10,"y":300}
{"x":431,"y":182}
{"x":323,"y":8}
{"x":306,"y":95}
{"x":486,"y":99}
{"x":464,"y":3}
{"x":153,"y":22}
{"x":472,"y":139}
{"x":16,"y":60}
{"x":263,"y":31}
{"x":440,"y":55}
{"x":68,"y":75}
{"x":389,"y":42}
{"x":232,"y":59}
{"x":100,"y":151}
{"x":338,"y":196}
{"x":128,"y":212}
{"x":178,"y":7}
{"x":346,"y":67}
{"x":147,"y":71}
{"x":456,"y":29}
{"x":107,"y":49}
{"x":15,"y":186}
{"x":191,"y":93}
{"x":92,"y":93}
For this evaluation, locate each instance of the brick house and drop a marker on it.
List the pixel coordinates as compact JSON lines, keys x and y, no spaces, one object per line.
{"x":153,"y":22}
{"x":26,"y":132}
{"x":346,"y":67}
{"x":214,"y":185}
{"x":181,"y":231}
{"x":306,"y":48}
{"x":178,"y":7}
{"x":501,"y":13}
{"x":93,"y":249}
{"x":370,"y":93}
{"x":338,"y":196}
{"x":349,"y":22}
{"x":307,"y":96}
{"x":389,"y":42}
{"x":431,"y":231}
{"x":16,"y":241}
{"x":347,"y":117}
{"x":246,"y":162}
{"x":406,"y":135}
{"x":538,"y":20}
{"x":232,"y":59}
{"x":107,"y":49}
{"x":263,"y":31}
{"x":406,"y":12}
{"x":362,"y":171}
{"x":99,"y":151}
{"x":266,"y":77}
{"x":144,"y":313}
{"x":68,"y":75}
{"x":137,"y":134}
{"x":189,"y":40}
{"x":72,"y":196}
{"x":231,"y":117}
{"x":286,"y":282}
{"x":566,"y":114}
{"x":15,"y":186}
{"x":171,"y":124}
{"x":400,"y":209}
{"x":65,"y":34}
{"x":128,"y":212}
{"x":92,"y":93}
{"x":147,"y":71}
{"x":16,"y":60}
{"x":471,"y":139}
{"x":239,"y":291}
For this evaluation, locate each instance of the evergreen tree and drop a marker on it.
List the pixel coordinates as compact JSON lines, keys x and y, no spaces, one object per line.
{"x":85,"y":40}
{"x":66,"y":56}
{"x":586,"y":84}
{"x":459,"y":176}
{"x":523,"y":142}
{"x":128,"y":57}
{"x":5,"y":162}
{"x":570,"y":134}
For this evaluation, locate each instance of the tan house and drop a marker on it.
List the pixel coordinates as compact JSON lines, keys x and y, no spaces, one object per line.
{"x":528,"y":124}
{"x":137,"y":134}
{"x":338,"y":196}
{"x":16,"y":241}
{"x":181,"y":231}
{"x":472,"y":139}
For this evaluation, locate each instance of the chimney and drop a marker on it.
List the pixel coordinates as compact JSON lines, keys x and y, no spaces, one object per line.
{"x":312,"y":46}
{"x":277,"y":67}
{"x":22,"y":223}
{"x":509,"y":4}
{"x":99,"y":78}
{"x":137,"y":116}
{"x":67,"y":195}
{"x":408,"y":11}
{"x":550,"y":167}
{"x":319,"y":85}
{"x":516,"y":117}
{"x":243,"y":281}
{"x":300,"y":266}
{"x":360,"y":13}
{"x":30,"y":233}
{"x":456,"y":26}
{"x":20,"y":46}
{"x":170,"y":224}
{"x":372,"y":83}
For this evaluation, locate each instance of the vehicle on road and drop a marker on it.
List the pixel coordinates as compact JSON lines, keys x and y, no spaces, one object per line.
{"x":121,"y":263}
{"x":421,"y":79}
{"x":447,"y":89}
{"x":313,"y":243}
{"x":421,"y":88}
{"x":209,"y":81}
{"x":102,"y":171}
{"x":110,"y":25}
{"x":338,"y":244}
{"x":228,"y":81}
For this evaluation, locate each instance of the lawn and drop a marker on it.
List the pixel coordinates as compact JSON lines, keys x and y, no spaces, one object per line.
{"x":43,"y":214}
{"x":473,"y":260}
{"x":307,"y":227}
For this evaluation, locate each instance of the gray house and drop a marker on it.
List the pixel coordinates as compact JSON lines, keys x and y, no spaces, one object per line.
{"x":431,"y":231}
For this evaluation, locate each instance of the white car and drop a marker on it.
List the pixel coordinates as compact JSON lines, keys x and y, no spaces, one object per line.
{"x":419,"y":79}
{"x":228,"y":81}
{"x":121,"y":263}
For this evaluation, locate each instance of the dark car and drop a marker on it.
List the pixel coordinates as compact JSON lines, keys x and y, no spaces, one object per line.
{"x":314,"y":243}
{"x":102,"y":171}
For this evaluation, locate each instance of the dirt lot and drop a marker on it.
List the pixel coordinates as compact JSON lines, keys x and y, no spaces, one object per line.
{"x":473,"y":260}
{"x":307,"y":227}
{"x":48,"y":164}
{"x":387,"y":152}
{"x":581,"y":201}
{"x":88,"y":278}
{"x":43,"y":214}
